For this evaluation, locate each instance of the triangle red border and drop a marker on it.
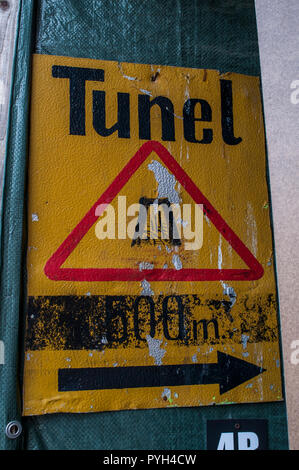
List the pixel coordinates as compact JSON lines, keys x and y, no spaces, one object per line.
{"x":53,"y":268}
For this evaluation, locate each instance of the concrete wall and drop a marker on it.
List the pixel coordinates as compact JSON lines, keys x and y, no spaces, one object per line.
{"x":278,"y":32}
{"x":8,"y":17}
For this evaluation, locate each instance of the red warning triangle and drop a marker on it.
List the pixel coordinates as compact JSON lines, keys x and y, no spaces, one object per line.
{"x":55,"y":272}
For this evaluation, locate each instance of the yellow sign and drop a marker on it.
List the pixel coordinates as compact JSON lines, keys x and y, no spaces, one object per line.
{"x":150,"y":259}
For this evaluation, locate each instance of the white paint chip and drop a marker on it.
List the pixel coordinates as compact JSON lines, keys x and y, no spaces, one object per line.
{"x":244,"y":340}
{"x":145,"y":91}
{"x":176,"y":261}
{"x":230,"y":291}
{"x":155,"y":351}
{"x":166,"y":393}
{"x":145,"y":265}
{"x":146,"y":288}
{"x":166,"y":182}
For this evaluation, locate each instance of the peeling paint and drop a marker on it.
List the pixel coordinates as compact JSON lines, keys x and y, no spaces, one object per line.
{"x":244,"y":340}
{"x":166,"y":182}
{"x":146,"y":92}
{"x":251,"y":229}
{"x":207,"y":220}
{"x":146,"y":288}
{"x":155,"y":350}
{"x":104,"y":339}
{"x":145,"y":265}
{"x":176,"y":261}
{"x":127,"y":77}
{"x":220,"y":254}
{"x":228,"y":290}
{"x":194,"y":358}
{"x":34,"y":218}
{"x":166,"y":393}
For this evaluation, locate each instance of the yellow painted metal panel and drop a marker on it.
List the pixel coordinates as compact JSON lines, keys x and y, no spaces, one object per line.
{"x":108,"y":319}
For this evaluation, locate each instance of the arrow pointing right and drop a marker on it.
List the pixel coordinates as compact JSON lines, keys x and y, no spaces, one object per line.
{"x":229,"y":372}
{"x":233,"y":371}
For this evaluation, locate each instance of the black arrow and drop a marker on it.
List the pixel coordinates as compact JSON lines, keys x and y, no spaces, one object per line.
{"x":228,"y":372}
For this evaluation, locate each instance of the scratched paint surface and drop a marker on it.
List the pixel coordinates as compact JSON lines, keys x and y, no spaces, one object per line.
{"x":76,"y":325}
